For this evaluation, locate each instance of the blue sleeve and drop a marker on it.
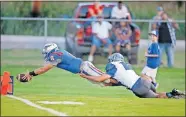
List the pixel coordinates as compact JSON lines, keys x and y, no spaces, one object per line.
{"x":111,"y":69}
{"x":154,"y":48}
{"x":55,"y":58}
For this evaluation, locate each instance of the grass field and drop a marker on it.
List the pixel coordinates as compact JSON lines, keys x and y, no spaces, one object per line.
{"x":59,"y":85}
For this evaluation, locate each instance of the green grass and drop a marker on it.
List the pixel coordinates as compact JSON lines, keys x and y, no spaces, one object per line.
{"x":59,"y":85}
{"x":11,"y":107}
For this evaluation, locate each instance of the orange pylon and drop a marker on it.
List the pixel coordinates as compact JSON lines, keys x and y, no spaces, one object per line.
{"x":5,"y":79}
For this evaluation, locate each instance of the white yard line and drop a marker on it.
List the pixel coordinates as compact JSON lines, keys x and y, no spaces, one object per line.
{"x":61,"y":102}
{"x":54,"y":112}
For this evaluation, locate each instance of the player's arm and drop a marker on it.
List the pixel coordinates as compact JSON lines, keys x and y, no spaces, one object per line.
{"x":54,"y":60}
{"x":38,"y":71}
{"x":41,"y":70}
{"x":96,"y":78}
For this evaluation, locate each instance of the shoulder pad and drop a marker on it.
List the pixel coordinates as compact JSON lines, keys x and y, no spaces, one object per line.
{"x":109,"y":66}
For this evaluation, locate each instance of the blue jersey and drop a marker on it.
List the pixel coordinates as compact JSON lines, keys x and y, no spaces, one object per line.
{"x":123,"y":73}
{"x":153,"y":62}
{"x":64,"y":60}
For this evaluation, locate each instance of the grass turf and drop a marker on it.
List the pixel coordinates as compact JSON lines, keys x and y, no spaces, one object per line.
{"x":59,"y":85}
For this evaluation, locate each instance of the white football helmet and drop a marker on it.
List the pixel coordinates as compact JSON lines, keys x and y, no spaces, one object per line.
{"x":48,"y":48}
{"x":116,"y":57}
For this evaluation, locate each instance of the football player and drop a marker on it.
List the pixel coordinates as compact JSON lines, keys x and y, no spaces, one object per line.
{"x":121,"y":72}
{"x":54,"y":57}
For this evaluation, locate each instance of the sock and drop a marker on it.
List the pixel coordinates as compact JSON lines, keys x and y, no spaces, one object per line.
{"x":90,"y":58}
{"x":169,"y":94}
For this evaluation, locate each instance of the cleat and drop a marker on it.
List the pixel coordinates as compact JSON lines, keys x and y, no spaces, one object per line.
{"x":177,"y":92}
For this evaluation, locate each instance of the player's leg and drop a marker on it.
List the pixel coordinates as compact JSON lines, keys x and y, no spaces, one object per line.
{"x":89,"y":69}
{"x":175,"y":93}
{"x":144,"y":89}
{"x":151,"y":93}
{"x":141,"y":89}
{"x":153,"y":88}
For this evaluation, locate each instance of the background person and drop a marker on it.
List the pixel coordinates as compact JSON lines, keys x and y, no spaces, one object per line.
{"x":157,"y":18}
{"x":120,"y":11}
{"x":101,"y":35}
{"x":95,"y":10}
{"x":153,"y":59}
{"x":123,"y":34}
{"x":167,"y":38}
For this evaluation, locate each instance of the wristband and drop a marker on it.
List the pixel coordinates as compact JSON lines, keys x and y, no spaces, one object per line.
{"x":32,"y":73}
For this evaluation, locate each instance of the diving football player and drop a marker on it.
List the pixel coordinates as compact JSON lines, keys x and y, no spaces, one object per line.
{"x":54,"y":57}
{"x":121,"y":72}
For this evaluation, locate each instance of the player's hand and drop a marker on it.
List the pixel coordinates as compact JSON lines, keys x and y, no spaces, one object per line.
{"x":82,"y":75}
{"x":27,"y":76}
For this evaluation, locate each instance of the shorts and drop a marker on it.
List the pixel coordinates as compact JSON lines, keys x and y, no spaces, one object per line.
{"x":122,"y":42}
{"x":89,"y":69}
{"x":144,"y":89}
{"x":150,"y":72}
{"x":97,"y":42}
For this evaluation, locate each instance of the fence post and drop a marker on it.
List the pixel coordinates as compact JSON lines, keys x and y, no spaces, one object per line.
{"x":45,"y":28}
{"x":150,"y":26}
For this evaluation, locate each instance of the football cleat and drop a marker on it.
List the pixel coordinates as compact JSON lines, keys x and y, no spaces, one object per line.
{"x":177,"y":92}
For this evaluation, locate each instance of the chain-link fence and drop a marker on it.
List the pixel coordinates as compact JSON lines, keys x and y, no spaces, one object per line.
{"x":32,"y":33}
{"x":57,"y":26}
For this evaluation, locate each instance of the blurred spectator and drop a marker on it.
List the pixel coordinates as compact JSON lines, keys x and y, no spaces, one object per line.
{"x":167,"y":38}
{"x":95,"y":10}
{"x":157,"y":18}
{"x":100,"y":30}
{"x":36,"y":5}
{"x":120,"y":11}
{"x":123,"y":34}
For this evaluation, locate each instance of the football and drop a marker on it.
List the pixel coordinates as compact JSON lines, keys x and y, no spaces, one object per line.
{"x":20,"y":78}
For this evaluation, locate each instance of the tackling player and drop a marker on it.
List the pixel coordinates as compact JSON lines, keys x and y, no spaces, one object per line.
{"x":54,"y":57}
{"x":153,"y":59}
{"x":121,"y":72}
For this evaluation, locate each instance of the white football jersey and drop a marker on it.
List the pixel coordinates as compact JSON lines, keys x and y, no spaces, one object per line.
{"x":127,"y":77}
